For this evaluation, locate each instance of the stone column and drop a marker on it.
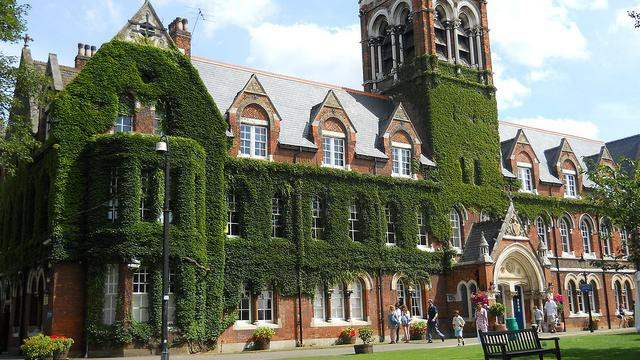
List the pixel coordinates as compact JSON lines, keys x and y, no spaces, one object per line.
{"x":372,"y":47}
{"x":347,"y":304}
{"x":456,"y":46}
{"x":379,"y":45}
{"x":508,"y":299}
{"x":479,"y":48}
{"x":401,"y":45}
{"x":394,"y":52}
{"x":327,"y":303}
{"x":448,"y":29}
{"x":472,"y":48}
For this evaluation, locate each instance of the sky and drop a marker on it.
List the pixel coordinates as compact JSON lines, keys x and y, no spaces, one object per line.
{"x":567,"y":65}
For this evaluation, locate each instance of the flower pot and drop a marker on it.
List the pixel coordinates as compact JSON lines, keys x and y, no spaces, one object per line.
{"x":60,"y":355}
{"x":417,"y":336}
{"x":261,"y":344}
{"x":499,"y":327}
{"x":348,"y":340}
{"x":363,"y":349}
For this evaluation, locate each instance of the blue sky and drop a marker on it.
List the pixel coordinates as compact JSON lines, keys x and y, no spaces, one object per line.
{"x":568,"y":65}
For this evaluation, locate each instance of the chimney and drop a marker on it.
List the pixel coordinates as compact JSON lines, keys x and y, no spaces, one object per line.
{"x":179,"y":32}
{"x":85,"y":52}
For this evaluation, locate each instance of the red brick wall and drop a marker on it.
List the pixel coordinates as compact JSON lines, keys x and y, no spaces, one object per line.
{"x":67,"y":301}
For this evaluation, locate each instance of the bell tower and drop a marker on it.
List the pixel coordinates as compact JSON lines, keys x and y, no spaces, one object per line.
{"x":395,"y":32}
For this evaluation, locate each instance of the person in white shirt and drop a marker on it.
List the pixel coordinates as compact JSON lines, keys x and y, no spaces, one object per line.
{"x":551,"y":311}
{"x":458,"y":326}
{"x":538,"y":317}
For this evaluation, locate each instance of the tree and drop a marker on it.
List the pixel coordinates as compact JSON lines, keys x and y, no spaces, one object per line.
{"x":636,"y":16}
{"x":617,"y":196}
{"x":20,"y":88}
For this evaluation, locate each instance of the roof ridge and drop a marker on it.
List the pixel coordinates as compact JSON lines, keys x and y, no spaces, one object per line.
{"x":622,"y":139}
{"x":288,"y":77}
{"x":552,"y":132}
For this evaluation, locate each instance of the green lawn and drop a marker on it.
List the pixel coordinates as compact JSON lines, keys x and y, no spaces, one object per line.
{"x":603,"y":347}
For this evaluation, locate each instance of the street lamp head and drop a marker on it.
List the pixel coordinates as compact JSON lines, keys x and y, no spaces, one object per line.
{"x":161,"y":147}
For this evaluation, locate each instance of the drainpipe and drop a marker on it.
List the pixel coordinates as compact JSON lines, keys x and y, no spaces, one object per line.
{"x":555,"y":246}
{"x":604,"y":281}
{"x":380,"y":305}
{"x":85,"y":312}
{"x":300,"y":343}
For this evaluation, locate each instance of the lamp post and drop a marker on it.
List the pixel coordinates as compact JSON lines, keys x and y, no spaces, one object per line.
{"x":162,"y":147}
{"x":586,"y":293}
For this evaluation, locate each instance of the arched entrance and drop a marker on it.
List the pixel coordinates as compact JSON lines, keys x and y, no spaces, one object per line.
{"x":520,"y":280}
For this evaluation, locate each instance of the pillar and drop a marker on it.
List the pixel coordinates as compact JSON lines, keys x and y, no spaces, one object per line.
{"x":394,"y":53}
{"x":472,"y":49}
{"x":401,"y":47}
{"x":479,"y":48}
{"x":372,"y":47}
{"x":448,"y":28}
{"x":456,"y":53}
{"x":379,"y":45}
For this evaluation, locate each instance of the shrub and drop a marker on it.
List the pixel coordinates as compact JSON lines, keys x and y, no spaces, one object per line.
{"x":38,"y":347}
{"x":348,"y":332}
{"x":418,"y":327}
{"x":366,"y":335}
{"x":263,"y":333}
{"x":61,"y":343}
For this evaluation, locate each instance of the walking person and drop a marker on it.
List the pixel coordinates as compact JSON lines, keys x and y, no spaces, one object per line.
{"x":394,"y":322}
{"x":432,"y":324}
{"x":458,"y":327}
{"x":405,"y":319}
{"x":538,"y":317}
{"x":482,"y":319}
{"x":551,"y":311}
{"x":622,"y":317}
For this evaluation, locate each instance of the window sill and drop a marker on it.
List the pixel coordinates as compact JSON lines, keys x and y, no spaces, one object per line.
{"x":243,"y":325}
{"x":262,"y":158}
{"x":426,"y":248}
{"x":233,"y":236}
{"x":390,"y":245}
{"x":329,"y":166}
{"x":583,"y":314}
{"x":571,"y":255}
{"x":316,"y":323}
{"x":590,"y":256}
{"x":398,"y":176}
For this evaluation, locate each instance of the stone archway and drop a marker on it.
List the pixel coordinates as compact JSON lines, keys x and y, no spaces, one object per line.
{"x":519,"y":274}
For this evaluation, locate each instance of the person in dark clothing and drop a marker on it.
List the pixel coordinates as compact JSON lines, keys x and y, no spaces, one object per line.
{"x":432,"y":324}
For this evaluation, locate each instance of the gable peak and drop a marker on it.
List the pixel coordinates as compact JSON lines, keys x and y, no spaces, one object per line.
{"x":400,"y":114}
{"x":331,"y":100}
{"x":145,"y":25}
{"x":254,"y":86}
{"x":521,"y":138}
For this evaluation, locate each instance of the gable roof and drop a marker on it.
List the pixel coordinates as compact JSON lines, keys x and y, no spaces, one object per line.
{"x":297,"y":100}
{"x":628,"y":147}
{"x":146,"y":14}
{"x":547,"y":145}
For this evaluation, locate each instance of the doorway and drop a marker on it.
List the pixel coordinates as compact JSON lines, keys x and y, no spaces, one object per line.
{"x":518,"y":308}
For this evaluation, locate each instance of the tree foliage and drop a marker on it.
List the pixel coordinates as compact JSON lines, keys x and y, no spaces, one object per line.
{"x":636,"y":16}
{"x":617,"y":196}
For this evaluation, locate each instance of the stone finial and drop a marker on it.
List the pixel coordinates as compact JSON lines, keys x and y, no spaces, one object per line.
{"x":483,"y":251}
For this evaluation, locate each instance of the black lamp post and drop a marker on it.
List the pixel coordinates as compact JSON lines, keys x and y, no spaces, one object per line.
{"x":586,"y":293}
{"x":162,"y":147}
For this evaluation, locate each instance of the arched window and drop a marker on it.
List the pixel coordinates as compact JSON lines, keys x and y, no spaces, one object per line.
{"x":318,"y":304}
{"x":573,"y":301}
{"x":465,"y":41}
{"x":317,"y":217}
{"x":337,"y":303}
{"x":387,"y":49}
{"x":456,"y":229}
{"x":605,"y":235}
{"x":110,"y":294}
{"x":401,"y":295}
{"x":416,"y":301}
{"x":585,"y":231}
{"x":443,"y":39}
{"x":628,"y":296}
{"x":408,"y":48}
{"x":582,"y":299}
{"x":254,"y":130}
{"x":542,"y":231}
{"x":617,"y":292}
{"x":564,"y":235}
{"x":593,"y":297}
{"x":391,"y":227}
{"x":464,"y":300}
{"x":355,"y":301}
{"x":473,"y":289}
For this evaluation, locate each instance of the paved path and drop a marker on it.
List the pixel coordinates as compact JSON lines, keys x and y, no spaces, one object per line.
{"x":345,"y":350}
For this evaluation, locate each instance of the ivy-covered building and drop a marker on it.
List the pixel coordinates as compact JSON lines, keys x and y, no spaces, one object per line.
{"x":297,"y":205}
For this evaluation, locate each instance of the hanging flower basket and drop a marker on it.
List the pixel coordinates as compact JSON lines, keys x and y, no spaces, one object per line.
{"x":480,"y":298}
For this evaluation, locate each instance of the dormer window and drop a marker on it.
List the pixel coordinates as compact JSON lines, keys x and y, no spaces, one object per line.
{"x":254,"y":130}
{"x":525,"y":177}
{"x":570,"y":184}
{"x":401,"y":154}
{"x":333,"y":144}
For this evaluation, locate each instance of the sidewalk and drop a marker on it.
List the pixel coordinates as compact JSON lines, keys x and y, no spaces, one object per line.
{"x":348,"y":349}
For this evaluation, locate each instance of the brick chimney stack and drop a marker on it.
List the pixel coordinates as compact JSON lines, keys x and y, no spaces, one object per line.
{"x":179,"y":32}
{"x":85,"y":52}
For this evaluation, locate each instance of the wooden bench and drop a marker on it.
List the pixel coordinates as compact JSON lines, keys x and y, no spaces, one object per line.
{"x":510,"y":344}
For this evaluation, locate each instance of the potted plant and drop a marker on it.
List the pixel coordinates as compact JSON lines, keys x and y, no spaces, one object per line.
{"x":418,"y":330}
{"x":61,"y":346}
{"x":348,"y":336}
{"x":596,"y":322}
{"x":38,"y":347}
{"x":498,"y":310}
{"x":262,"y":338}
{"x":560,"y":311}
{"x":366,"y":335}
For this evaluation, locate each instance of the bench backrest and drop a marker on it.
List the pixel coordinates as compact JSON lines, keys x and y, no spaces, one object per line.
{"x":517,"y":340}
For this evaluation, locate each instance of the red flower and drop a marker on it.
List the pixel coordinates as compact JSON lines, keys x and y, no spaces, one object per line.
{"x":558,"y":298}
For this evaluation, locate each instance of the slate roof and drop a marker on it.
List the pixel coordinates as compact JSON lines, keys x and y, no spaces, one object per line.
{"x":545,"y":144}
{"x":627,"y":147}
{"x":295,"y":101}
{"x":491,"y":230}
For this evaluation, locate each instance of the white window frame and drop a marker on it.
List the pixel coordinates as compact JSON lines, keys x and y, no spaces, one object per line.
{"x":334,"y":150}
{"x":525,"y":174}
{"x":456,"y":229}
{"x":391,"y":226}
{"x":265,"y":306}
{"x":337,"y":303}
{"x":565,"y":236}
{"x":140,"y":298}
{"x":401,"y":292}
{"x":416,"y":302}
{"x":624,"y":241}
{"x":317,"y":218}
{"x":121,"y":125}
{"x":573,"y":307}
{"x":605,"y":235}
{"x":250,"y":134}
{"x":319,"y":310}
{"x":158,"y":120}
{"x":570,"y":184}
{"x":401,"y":156}
{"x":543,"y":233}
{"x":232,"y":215}
{"x":356,"y":306}
{"x":245,"y":305}
{"x":353,"y":222}
{"x":423,"y":235}
{"x":276,"y":217}
{"x":109,"y":305}
{"x":585,"y":232}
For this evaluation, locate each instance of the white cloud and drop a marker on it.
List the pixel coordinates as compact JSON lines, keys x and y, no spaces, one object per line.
{"x":223,"y":13}
{"x":511,"y":92}
{"x":585,"y":129}
{"x":308,"y":50}
{"x":585,"y":4}
{"x":532,"y":34}
{"x":622,"y":20}
{"x":541,"y":75}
